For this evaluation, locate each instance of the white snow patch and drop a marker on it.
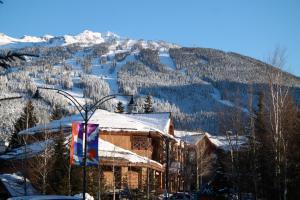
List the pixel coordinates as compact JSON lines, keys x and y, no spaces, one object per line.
{"x":217,"y":96}
{"x":227,"y":142}
{"x":188,"y":136}
{"x":26,"y":151}
{"x":14,"y":183}
{"x":167,"y":60}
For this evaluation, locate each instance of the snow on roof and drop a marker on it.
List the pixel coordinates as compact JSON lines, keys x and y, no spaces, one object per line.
{"x":106,"y":150}
{"x":112,"y":122}
{"x":221,"y":142}
{"x":189,"y":137}
{"x":109,"y":150}
{"x":159,"y":121}
{"x":226,"y":143}
{"x":14,"y":183}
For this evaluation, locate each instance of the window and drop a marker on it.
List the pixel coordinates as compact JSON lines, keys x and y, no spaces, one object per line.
{"x":141,"y":143}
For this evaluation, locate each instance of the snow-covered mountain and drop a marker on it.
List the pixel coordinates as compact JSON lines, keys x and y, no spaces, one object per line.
{"x":85,"y":38}
{"x":195,"y":84}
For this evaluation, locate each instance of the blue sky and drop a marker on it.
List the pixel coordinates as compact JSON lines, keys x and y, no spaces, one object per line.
{"x":249,"y":27}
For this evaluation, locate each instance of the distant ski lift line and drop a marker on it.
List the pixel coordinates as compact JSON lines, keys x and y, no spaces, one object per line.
{"x":11,"y":98}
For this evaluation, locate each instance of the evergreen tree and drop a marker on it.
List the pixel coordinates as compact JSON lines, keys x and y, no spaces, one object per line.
{"x":119,"y":108}
{"x":60,"y":165}
{"x":294,"y":163}
{"x":263,"y":150}
{"x":26,"y":120}
{"x":148,"y":104}
{"x":57,"y":113}
{"x":260,"y":116}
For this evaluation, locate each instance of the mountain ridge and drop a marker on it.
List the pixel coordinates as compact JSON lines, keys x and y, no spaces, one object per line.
{"x":85,"y":37}
{"x":195,"y":84}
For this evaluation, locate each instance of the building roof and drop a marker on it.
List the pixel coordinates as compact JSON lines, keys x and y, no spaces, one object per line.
{"x":222,"y":142}
{"x":227,"y":143}
{"x":158,"y":122}
{"x":189,"y":137}
{"x":106,"y":150}
{"x":110,"y":151}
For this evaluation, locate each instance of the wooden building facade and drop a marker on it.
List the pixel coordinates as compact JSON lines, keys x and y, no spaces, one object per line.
{"x":132,"y":149}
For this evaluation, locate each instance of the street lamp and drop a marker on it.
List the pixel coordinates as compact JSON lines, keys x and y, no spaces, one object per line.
{"x":86,"y":112}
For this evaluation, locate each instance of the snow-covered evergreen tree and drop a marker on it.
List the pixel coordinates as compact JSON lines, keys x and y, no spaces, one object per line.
{"x":26,"y":120}
{"x":148,"y":104}
{"x":57,"y":113}
{"x":119,"y":107}
{"x":60,"y":164}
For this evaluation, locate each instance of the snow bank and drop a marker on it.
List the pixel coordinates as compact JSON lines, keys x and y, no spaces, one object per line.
{"x":14,"y":183}
{"x":87,"y":196}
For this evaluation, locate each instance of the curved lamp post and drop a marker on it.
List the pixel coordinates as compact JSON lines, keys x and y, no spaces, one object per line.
{"x":86,"y":112}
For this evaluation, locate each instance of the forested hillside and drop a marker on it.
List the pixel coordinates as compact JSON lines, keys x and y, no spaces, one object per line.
{"x":195,"y":84}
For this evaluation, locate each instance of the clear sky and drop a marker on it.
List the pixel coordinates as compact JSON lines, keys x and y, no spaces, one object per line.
{"x":249,"y":27}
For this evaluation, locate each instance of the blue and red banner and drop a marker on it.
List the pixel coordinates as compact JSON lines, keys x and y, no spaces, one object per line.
{"x":76,"y":148}
{"x":92,"y":144}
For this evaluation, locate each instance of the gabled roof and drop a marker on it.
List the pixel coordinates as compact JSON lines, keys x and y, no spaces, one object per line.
{"x":161,"y":121}
{"x":109,"y":121}
{"x":188,"y":136}
{"x":221,"y":142}
{"x":227,"y":143}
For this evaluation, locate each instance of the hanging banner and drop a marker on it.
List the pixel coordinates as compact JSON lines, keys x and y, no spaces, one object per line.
{"x":92,"y":145}
{"x":76,"y":148}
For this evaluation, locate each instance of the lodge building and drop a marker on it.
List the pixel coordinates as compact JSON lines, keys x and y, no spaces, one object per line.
{"x":132,"y":148}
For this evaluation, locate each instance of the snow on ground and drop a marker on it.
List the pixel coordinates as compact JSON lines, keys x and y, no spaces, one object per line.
{"x":77,"y":93}
{"x":167,"y":60}
{"x":87,"y":196}
{"x":14,"y":183}
{"x":26,"y":151}
{"x":103,"y":71}
{"x":217,"y":96}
